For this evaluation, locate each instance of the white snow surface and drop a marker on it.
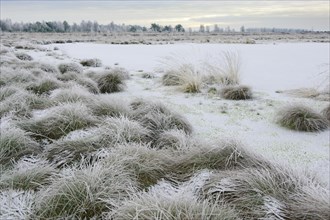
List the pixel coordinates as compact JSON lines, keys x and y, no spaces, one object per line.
{"x":266,"y":68}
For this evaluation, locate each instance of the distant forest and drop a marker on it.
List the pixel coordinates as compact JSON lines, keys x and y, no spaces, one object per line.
{"x":7,"y":25}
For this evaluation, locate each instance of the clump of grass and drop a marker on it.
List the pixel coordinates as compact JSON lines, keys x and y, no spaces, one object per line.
{"x":88,"y":83}
{"x":303,"y":92}
{"x":267,"y":193}
{"x":67,"y":151}
{"x":234,"y":189}
{"x":110,"y":82}
{"x":7,"y":91}
{"x":107,"y":106}
{"x":10,"y":76}
{"x":149,"y":165}
{"x":124,"y":73}
{"x":167,"y":202}
{"x":228,"y":71}
{"x":301,"y":118}
{"x":171,"y":78}
{"x":91,"y":62}
{"x":24,"y":56}
{"x":48,"y":68}
{"x":5,"y":49}
{"x":111,"y":132}
{"x":70,"y":67}
{"x":91,"y":74}
{"x":186,"y":76}
{"x":69,"y":76}
{"x":157,"y":118}
{"x":15,"y":142}
{"x":22,"y":103}
{"x":44,"y":86}
{"x":85,"y":192}
{"x":220,"y":155}
{"x":236,"y":92}
{"x":74,"y":93}
{"x":121,"y":130}
{"x":28,"y":46}
{"x":30,"y":173}
{"x":212,"y":90}
{"x":60,"y":120}
{"x":16,"y":204}
{"x":173,"y":139}
{"x":326,"y":113}
{"x":148,"y":75}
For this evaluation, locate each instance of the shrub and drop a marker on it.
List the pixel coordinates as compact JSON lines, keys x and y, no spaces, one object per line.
{"x":91,"y":62}
{"x":24,"y":56}
{"x":301,"y":118}
{"x":70,"y":67}
{"x":110,"y":82}
{"x":326,"y":113}
{"x":59,"y":120}
{"x":29,"y":173}
{"x":85,"y":192}
{"x":236,"y":93}
{"x":14,"y":142}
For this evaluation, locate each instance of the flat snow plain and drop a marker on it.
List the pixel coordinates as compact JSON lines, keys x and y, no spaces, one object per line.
{"x":266,"y":68}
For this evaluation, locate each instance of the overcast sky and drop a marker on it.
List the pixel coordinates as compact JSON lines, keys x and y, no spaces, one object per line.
{"x":287,"y":14}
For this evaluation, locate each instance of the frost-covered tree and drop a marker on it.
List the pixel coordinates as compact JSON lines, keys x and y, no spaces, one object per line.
{"x":155,"y":27}
{"x":179,"y":28}
{"x":96,"y":27}
{"x":6,"y":25}
{"x":66,"y":26}
{"x":216,"y":28}
{"x":167,"y":28}
{"x":202,"y":28}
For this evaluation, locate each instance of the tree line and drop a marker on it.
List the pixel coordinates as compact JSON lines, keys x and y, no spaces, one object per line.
{"x":84,"y":26}
{"x":7,"y":25}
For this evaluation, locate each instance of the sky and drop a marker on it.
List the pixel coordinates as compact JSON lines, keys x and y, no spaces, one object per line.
{"x":279,"y":14}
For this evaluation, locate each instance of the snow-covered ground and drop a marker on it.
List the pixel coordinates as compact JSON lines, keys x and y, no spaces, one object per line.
{"x":266,"y":68}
